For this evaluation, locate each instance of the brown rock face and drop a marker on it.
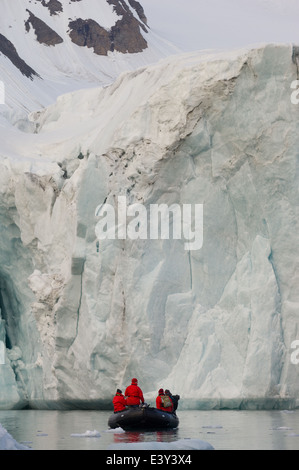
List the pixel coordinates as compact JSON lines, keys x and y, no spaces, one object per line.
{"x":54,"y":6}
{"x":125,"y":36}
{"x":44,"y":34}
{"x":139,"y":9}
{"x":90,"y":34}
{"x":122,"y":9}
{"x":8,"y":49}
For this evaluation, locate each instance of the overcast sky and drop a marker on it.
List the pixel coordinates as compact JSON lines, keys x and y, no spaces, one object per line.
{"x":200,"y":24}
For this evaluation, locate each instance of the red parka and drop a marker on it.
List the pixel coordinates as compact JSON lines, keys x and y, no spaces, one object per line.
{"x":159,"y":404}
{"x":119,"y":402}
{"x":134,"y":394}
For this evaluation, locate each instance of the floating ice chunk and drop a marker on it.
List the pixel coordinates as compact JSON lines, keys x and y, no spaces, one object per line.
{"x":94,"y":433}
{"x":7,"y":442}
{"x":116,"y":430}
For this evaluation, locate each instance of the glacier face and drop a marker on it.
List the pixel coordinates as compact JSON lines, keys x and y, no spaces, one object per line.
{"x":80,"y":317}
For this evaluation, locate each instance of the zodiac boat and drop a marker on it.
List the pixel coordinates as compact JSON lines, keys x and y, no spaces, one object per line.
{"x":143,"y":417}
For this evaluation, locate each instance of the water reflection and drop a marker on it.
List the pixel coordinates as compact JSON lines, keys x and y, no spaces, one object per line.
{"x":129,"y":437}
{"x":228,"y":430}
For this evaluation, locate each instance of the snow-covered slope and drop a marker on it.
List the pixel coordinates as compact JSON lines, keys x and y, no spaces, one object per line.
{"x":62,"y":42}
{"x":42,"y":33}
{"x":216,"y":325}
{"x":43,"y":37}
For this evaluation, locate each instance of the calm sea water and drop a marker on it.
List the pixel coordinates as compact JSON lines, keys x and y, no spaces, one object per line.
{"x":224,"y":430}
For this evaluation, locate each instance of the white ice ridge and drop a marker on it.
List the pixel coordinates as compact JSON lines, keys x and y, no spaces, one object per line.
{"x":81,"y":318}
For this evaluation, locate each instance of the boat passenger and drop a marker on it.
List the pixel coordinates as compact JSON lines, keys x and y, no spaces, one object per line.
{"x":119,"y":401}
{"x":163,"y":402}
{"x":174,"y":399}
{"x":134,"y":394}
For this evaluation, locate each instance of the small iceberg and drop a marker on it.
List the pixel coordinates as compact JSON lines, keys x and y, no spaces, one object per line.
{"x":116,"y":431}
{"x":7,"y":442}
{"x":94,"y":433}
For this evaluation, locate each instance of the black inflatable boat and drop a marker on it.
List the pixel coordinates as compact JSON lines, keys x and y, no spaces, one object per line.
{"x":144,"y":417}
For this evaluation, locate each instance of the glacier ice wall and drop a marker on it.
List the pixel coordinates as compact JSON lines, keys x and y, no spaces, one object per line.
{"x":81,"y":317}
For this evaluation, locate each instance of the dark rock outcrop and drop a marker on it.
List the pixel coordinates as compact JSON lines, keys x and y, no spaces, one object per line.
{"x":122,"y":9}
{"x":44,"y":34}
{"x":8,"y":49}
{"x":139,"y":9}
{"x":125,"y":36}
{"x":90,"y":34}
{"x":54,"y":6}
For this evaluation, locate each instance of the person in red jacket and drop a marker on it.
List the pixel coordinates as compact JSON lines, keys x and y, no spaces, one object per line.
{"x":134,"y":394}
{"x":119,"y":401}
{"x":164,"y":402}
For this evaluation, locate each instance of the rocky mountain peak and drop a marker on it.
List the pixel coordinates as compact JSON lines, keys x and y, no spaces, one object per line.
{"x":126,"y":32}
{"x":125,"y":36}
